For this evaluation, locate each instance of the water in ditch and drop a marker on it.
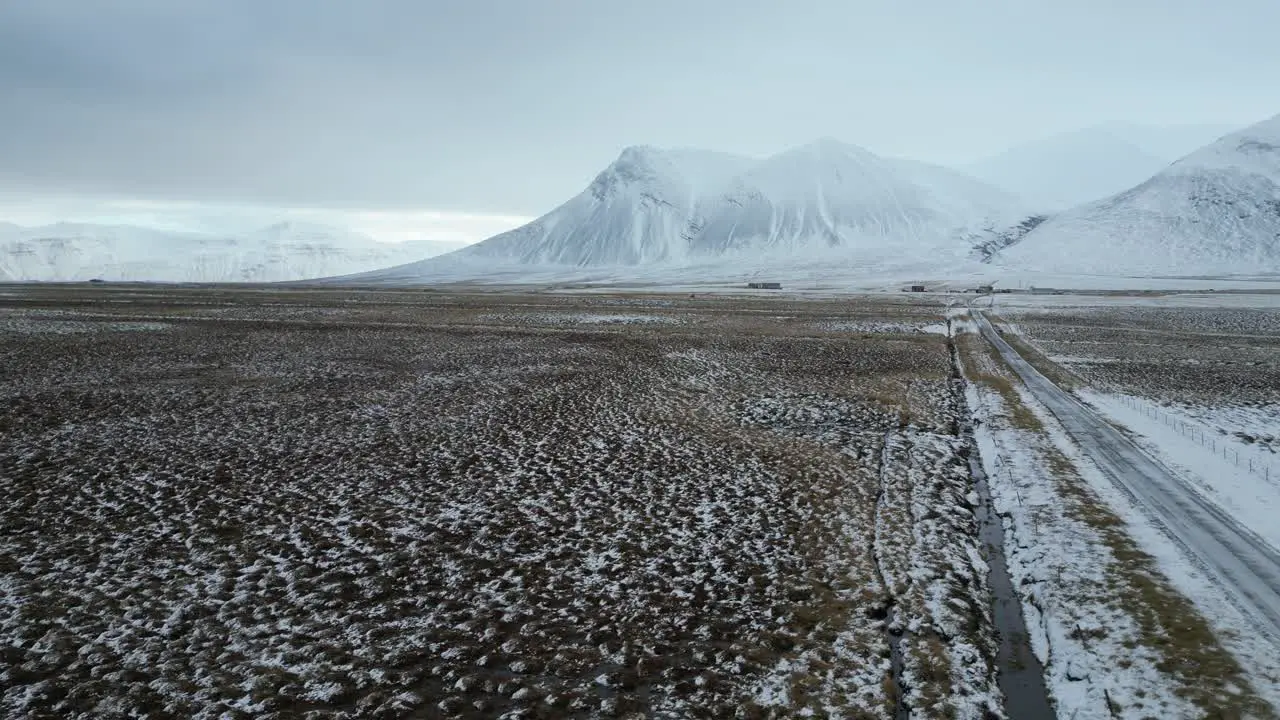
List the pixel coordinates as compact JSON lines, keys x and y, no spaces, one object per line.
{"x":1021,"y":676}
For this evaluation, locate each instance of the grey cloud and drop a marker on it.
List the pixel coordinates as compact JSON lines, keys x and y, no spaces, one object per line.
{"x":508,"y":106}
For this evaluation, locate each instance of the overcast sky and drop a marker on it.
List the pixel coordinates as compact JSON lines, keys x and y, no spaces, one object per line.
{"x":508,"y":107}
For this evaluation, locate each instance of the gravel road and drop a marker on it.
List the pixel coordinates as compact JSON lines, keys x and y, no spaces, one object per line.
{"x":1246,"y":567}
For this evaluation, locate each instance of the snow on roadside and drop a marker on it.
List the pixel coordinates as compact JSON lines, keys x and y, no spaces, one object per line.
{"x":1232,"y":629}
{"x":1057,"y":564}
{"x":1252,"y":498}
{"x":1097,"y":662}
{"x":1257,"y":426}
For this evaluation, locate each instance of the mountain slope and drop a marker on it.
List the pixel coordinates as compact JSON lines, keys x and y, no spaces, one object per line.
{"x":1215,"y":211}
{"x":829,"y":196}
{"x":1169,"y":142}
{"x":286,"y":251}
{"x":1069,"y":169}
{"x":822,"y":201}
{"x":636,"y":211}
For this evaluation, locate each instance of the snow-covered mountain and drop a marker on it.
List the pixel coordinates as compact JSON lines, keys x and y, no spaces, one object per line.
{"x":828,"y":196}
{"x":1169,"y":142}
{"x":1069,"y":169}
{"x":822,"y":201}
{"x":284,"y":251}
{"x":637,"y":211}
{"x":1215,"y":211}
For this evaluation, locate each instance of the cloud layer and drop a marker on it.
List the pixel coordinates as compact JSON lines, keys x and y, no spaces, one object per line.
{"x":506,"y":106}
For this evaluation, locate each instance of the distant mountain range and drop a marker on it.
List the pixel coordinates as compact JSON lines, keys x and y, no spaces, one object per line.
{"x":1215,"y":211}
{"x":825,"y":201}
{"x":284,"y":251}
{"x":1078,"y":167}
{"x":1070,"y":169}
{"x":828,"y":209}
{"x":822,"y":210}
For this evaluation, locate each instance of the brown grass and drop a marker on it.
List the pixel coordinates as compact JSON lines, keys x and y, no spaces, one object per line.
{"x":933,"y":667}
{"x":364,"y":481}
{"x":1060,"y":376}
{"x":1205,"y":673}
{"x":984,"y":365}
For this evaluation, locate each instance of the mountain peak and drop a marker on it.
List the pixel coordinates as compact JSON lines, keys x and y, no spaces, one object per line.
{"x":1215,"y":211}
{"x":293,"y":230}
{"x":638,"y":154}
{"x":289,"y":227}
{"x":682,"y":205}
{"x":1255,"y":149}
{"x":1087,"y":165}
{"x":828,"y":146}
{"x":830,"y":142}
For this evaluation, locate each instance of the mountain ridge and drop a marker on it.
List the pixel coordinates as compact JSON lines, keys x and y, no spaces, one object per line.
{"x":1214,"y":211}
{"x":285,"y":251}
{"x":825,"y":198}
{"x":1069,"y":169}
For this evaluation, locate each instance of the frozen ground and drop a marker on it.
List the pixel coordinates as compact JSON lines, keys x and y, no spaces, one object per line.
{"x":346,"y":503}
{"x":353,"y":504}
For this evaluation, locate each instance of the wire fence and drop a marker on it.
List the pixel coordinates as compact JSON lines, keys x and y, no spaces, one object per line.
{"x":1214,"y":442}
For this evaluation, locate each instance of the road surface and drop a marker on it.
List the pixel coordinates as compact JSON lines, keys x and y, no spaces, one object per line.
{"x":1245,"y":566}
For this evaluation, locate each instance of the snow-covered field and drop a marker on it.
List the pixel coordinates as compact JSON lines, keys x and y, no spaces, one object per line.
{"x":382,"y":504}
{"x":1213,"y":369}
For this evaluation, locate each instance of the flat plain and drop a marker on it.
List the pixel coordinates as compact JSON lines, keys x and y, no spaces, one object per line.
{"x":229,"y":502}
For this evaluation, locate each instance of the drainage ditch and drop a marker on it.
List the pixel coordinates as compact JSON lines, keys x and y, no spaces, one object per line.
{"x":1020,"y":674}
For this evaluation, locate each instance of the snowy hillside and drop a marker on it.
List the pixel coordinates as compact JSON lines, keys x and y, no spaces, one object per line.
{"x":285,"y":251}
{"x":831,"y":196}
{"x":1216,"y":211}
{"x":821,"y":202}
{"x":637,"y":211}
{"x":1169,"y":142}
{"x":1070,"y":169}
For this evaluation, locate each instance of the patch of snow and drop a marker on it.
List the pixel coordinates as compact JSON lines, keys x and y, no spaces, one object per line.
{"x":1213,"y":462}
